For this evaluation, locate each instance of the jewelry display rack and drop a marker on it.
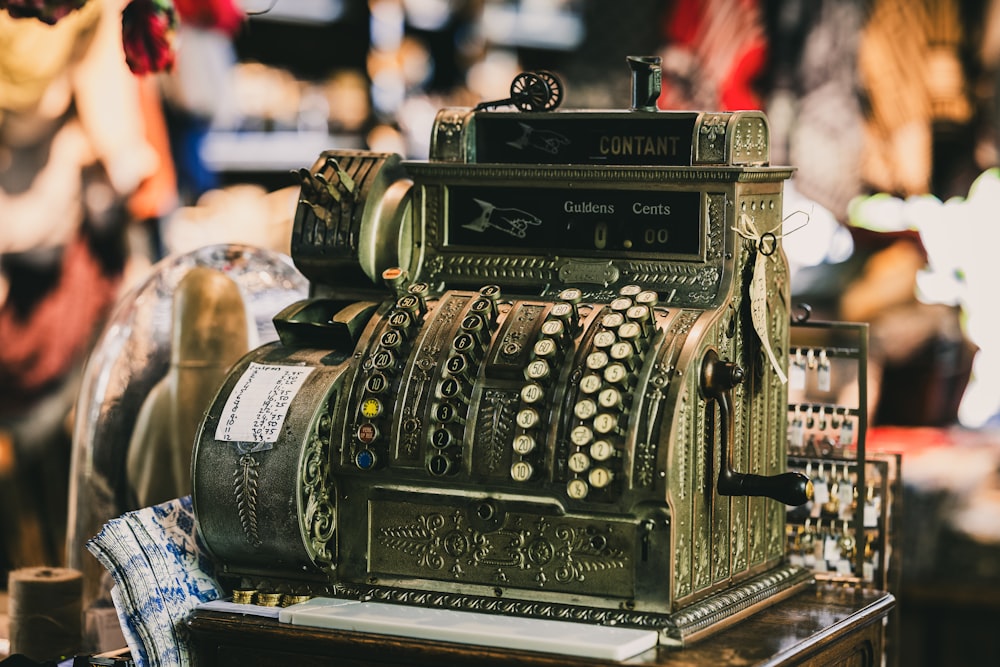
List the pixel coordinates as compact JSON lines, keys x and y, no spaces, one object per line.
{"x":844,"y":533}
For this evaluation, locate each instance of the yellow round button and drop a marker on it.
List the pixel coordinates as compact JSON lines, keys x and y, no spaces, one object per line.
{"x":371,"y":408}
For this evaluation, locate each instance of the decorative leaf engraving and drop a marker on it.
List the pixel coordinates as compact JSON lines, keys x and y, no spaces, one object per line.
{"x":419,"y":539}
{"x":583,"y":552}
{"x":496,"y":417}
{"x":245,"y":486}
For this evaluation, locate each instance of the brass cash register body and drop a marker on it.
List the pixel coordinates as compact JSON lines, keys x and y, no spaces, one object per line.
{"x":527,"y":366}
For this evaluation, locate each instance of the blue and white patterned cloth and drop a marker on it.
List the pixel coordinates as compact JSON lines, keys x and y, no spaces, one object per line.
{"x":161,"y":573}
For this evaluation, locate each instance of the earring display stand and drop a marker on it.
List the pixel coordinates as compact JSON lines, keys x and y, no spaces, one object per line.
{"x":845,"y":533}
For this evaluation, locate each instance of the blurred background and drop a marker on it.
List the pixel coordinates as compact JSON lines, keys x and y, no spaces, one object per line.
{"x":888,"y":110}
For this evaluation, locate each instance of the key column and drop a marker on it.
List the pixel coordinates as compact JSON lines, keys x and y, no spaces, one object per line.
{"x":604,"y":396}
{"x":556,"y":335}
{"x":382,"y":369}
{"x":468,"y":350}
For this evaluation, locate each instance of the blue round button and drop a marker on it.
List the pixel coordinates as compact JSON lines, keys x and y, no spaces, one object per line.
{"x":365,"y":459}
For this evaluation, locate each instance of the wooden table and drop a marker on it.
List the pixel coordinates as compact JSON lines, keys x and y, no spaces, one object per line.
{"x":818,"y":627}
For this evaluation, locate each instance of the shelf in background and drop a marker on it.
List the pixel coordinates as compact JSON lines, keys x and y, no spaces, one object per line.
{"x":270,"y":151}
{"x":295,"y":11}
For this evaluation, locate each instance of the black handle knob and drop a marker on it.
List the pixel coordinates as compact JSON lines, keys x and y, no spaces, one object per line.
{"x":790,"y":488}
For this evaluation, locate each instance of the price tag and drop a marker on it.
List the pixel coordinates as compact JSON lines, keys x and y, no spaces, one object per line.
{"x":871,"y":515}
{"x":256,"y":408}
{"x":797,"y":375}
{"x":831,"y":549}
{"x":796,"y":434}
{"x":823,"y":377}
{"x":821,"y":492}
{"x":847,"y":432}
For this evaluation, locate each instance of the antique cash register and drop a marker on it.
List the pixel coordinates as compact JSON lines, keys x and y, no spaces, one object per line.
{"x":540,"y":374}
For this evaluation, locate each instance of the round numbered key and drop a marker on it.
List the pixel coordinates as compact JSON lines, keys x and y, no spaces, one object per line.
{"x":571,"y":294}
{"x":383,"y":359}
{"x":585,"y":409}
{"x":419,"y":289}
{"x":600,"y":477}
{"x":621,"y":304}
{"x":610,"y":399}
{"x":537,"y":370}
{"x":457,"y":364}
{"x":581,"y":435}
{"x":441,"y":438}
{"x":647,"y":298}
{"x":597,"y":360}
{"x":464,"y":342}
{"x":638,"y":313}
{"x":605,"y":339}
{"x":532,"y":393}
{"x":377,"y":383}
{"x":391,"y":339}
{"x":616,"y":373}
{"x":577,"y":489}
{"x":400,"y":319}
{"x":524,"y":444}
{"x":440,"y":464}
{"x":605,"y":423}
{"x":601,"y":450}
{"x":528,"y":418}
{"x":490,"y":291}
{"x":474,"y":324}
{"x":484,"y":307}
{"x":450,"y":387}
{"x":612,"y":320}
{"x":445,"y":412}
{"x":553,"y":328}
{"x":629,"y":290}
{"x":578,"y":462}
{"x":591,"y":383}
{"x":412,"y":304}
{"x":545,"y":348}
{"x":561,"y":311}
{"x":521,"y":471}
{"x":621,"y":350}
{"x":630,"y":331}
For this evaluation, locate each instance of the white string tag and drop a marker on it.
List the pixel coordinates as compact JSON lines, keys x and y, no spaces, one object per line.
{"x":758,"y":288}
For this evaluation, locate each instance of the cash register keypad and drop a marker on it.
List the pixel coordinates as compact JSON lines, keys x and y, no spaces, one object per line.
{"x":602,"y":347}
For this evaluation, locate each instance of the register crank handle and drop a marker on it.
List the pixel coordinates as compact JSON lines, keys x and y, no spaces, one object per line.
{"x":790,"y":488}
{"x":718,"y":377}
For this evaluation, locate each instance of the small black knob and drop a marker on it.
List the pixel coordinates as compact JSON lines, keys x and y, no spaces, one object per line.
{"x":646,"y":81}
